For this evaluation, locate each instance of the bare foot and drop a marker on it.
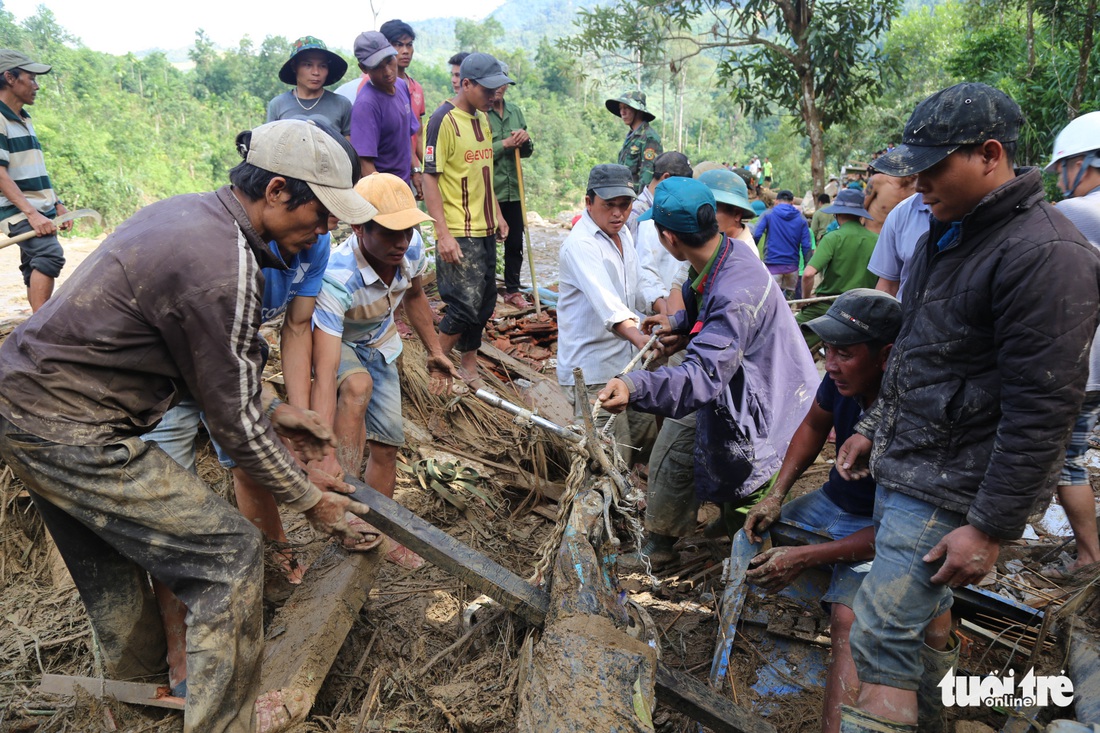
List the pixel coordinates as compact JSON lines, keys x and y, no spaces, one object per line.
{"x":279,"y":709}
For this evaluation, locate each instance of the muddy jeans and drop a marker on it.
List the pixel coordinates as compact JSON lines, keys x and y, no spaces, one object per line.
{"x":469,"y":289}
{"x":121,"y":510}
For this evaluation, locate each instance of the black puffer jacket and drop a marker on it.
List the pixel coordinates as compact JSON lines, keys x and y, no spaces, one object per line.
{"x":989,"y":370}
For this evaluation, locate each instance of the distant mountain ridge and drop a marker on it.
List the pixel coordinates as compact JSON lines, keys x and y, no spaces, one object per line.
{"x":524,"y":21}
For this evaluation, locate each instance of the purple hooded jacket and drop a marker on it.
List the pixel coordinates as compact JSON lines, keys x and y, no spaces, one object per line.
{"x":747,"y":371}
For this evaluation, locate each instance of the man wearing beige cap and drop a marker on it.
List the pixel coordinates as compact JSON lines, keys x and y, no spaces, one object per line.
{"x":356,"y":388}
{"x":27,"y":199}
{"x":169,"y":306}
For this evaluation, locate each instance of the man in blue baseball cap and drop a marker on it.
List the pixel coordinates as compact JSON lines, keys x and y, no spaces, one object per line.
{"x":741,"y":340}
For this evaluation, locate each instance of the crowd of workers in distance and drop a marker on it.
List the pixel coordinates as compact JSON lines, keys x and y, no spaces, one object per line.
{"x":928,"y":297}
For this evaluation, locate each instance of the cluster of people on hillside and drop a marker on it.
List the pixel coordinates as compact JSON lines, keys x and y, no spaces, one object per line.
{"x":929,"y":301}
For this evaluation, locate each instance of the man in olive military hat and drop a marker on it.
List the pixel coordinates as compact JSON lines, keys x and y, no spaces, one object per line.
{"x":642,"y":144}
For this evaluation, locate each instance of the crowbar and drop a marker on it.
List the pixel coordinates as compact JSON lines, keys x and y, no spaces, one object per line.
{"x":63,"y":219}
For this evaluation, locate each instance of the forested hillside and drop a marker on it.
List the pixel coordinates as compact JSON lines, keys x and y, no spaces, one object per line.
{"x":121,"y":131}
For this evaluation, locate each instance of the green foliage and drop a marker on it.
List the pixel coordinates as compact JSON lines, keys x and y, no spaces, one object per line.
{"x":120,"y":131}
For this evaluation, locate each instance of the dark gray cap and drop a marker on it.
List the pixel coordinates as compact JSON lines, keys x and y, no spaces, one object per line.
{"x":965,"y":114}
{"x":10,"y":59}
{"x":485,"y":70}
{"x":859,"y":316}
{"x":372,"y":48}
{"x":610,"y":181}
{"x":850,"y":202}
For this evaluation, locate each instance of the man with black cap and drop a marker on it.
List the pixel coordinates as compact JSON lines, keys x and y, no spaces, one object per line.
{"x":600,"y":299}
{"x":310,"y":68}
{"x":841,"y":258}
{"x":383,"y":123}
{"x":642,"y":144}
{"x":983,"y":386}
{"x":27,"y":199}
{"x":788,"y":238}
{"x":858,"y":330}
{"x":746,"y":371}
{"x":170,"y":306}
{"x":458,"y":190}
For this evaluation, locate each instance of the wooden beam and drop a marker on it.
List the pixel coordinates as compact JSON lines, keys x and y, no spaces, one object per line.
{"x":136,"y":693}
{"x":675,"y":689}
{"x":307,"y":632}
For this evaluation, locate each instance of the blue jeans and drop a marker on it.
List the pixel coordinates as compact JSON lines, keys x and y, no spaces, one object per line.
{"x":817,"y":511}
{"x":897,"y":599}
{"x":383,"y":418}
{"x":176,"y":434}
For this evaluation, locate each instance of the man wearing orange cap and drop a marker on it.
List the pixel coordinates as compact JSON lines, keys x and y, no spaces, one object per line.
{"x":356,"y":386}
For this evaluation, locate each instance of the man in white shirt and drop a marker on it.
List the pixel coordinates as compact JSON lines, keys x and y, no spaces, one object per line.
{"x":599,"y":301}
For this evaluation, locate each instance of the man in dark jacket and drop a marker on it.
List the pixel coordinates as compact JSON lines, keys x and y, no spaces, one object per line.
{"x":986,"y":378}
{"x":787,"y":233}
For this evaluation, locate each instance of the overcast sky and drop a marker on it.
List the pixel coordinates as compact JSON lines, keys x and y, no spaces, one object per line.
{"x":120,"y":26}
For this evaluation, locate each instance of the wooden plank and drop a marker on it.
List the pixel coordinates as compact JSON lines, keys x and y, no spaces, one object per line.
{"x":676,"y":690}
{"x":136,"y":693}
{"x":447,"y":553}
{"x":307,"y":632}
{"x":689,"y":696}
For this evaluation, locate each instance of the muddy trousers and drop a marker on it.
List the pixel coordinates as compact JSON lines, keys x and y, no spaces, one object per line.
{"x":120,"y":511}
{"x":469,"y":290}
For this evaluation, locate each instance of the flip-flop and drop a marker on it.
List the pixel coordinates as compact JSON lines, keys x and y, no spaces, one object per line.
{"x":1059,"y":571}
{"x":401,"y":556}
{"x":180,"y":690}
{"x":279,"y":709}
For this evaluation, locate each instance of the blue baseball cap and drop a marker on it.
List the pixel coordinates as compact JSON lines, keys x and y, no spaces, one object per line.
{"x":676,"y":204}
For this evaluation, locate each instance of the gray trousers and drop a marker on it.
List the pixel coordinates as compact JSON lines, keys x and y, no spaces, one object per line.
{"x":120,"y":511}
{"x":671,"y":507}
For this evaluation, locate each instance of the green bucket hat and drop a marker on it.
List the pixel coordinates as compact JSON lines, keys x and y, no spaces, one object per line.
{"x":728,"y":188}
{"x":635,"y":100}
{"x":337,"y":67}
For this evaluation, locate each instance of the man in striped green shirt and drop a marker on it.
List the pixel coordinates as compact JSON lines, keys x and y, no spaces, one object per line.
{"x":27,"y":199}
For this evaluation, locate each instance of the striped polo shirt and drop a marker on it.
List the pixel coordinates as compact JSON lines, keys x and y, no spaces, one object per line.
{"x":21,"y":154}
{"x":356,"y":305}
{"x":458,"y":148}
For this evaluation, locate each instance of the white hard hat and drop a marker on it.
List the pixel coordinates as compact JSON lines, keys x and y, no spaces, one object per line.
{"x":1079,"y":137}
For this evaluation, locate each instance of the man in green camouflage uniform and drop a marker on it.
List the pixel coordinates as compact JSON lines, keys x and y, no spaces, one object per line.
{"x":642,"y":144}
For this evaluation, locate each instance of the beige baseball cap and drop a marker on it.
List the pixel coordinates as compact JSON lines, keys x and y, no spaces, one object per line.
{"x":394,"y":200}
{"x":300,"y":149}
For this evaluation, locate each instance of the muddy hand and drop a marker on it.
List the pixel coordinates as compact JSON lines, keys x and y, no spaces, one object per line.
{"x":760,"y":517}
{"x":852,"y":457}
{"x":970,"y":555}
{"x":614,"y":397}
{"x":329,"y":516}
{"x":442,"y":374}
{"x":775,"y":569}
{"x":305,"y":430}
{"x":327,"y":475}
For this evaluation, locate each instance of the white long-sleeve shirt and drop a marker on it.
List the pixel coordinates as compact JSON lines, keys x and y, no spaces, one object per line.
{"x":598,"y":287}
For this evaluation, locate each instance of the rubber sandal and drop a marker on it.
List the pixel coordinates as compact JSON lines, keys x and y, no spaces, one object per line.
{"x":517,"y":301}
{"x":1093,"y":441}
{"x":180,"y":690}
{"x":401,"y":556}
{"x":279,"y":709}
{"x":376,"y":537}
